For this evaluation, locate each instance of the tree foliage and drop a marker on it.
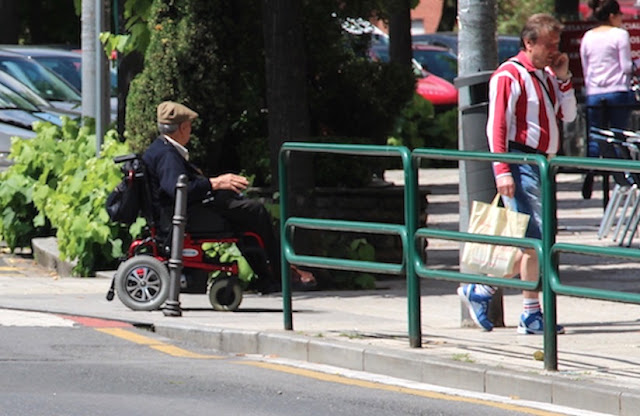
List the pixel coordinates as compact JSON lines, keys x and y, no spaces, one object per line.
{"x":512,"y":14}
{"x":209,"y":56}
{"x":39,"y":22}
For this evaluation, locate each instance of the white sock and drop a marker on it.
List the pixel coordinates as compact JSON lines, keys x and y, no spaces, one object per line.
{"x":530,"y":306}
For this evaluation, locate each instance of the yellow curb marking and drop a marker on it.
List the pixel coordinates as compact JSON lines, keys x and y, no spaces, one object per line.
{"x":333,"y":378}
{"x":155,"y":344}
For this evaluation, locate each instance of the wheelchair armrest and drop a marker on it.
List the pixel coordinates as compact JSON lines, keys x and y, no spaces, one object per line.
{"x":126,"y":158}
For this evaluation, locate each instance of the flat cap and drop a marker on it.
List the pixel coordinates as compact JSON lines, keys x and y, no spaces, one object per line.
{"x":174,"y":113}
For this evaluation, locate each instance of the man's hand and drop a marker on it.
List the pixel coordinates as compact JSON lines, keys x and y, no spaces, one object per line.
{"x":230,"y":182}
{"x":560,"y":66}
{"x":506,"y":186}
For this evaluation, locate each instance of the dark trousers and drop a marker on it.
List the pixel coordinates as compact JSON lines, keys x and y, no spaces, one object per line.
{"x":240,"y":214}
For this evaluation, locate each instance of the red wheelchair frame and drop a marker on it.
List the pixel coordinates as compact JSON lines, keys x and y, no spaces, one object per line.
{"x":142,"y":279}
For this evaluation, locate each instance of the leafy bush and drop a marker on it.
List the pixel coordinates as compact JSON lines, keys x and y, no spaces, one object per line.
{"x":345,"y":247}
{"x":420,"y":126}
{"x":57,"y":184}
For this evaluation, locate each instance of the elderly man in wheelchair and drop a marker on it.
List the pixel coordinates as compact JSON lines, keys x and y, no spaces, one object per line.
{"x":216,"y":212}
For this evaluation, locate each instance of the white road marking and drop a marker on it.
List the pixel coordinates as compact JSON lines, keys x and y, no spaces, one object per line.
{"x":10,"y":317}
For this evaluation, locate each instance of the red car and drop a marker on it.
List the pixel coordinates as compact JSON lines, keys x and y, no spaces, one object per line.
{"x":438,"y":90}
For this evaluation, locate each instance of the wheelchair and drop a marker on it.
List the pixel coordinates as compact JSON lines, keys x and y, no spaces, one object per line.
{"x":142,"y":279}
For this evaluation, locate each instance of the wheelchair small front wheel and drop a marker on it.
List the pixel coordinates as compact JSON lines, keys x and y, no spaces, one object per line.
{"x":142,"y":283}
{"x":225,"y":294}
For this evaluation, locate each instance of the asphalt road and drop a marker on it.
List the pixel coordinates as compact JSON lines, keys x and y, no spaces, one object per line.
{"x":59,"y":365}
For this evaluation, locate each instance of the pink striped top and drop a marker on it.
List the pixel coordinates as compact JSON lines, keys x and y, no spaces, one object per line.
{"x":520,"y":109}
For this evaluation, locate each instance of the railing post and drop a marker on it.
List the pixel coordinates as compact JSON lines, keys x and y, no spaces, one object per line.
{"x":284,"y":212}
{"x":172,"y":305}
{"x":411,"y":207}
{"x":549,"y":228}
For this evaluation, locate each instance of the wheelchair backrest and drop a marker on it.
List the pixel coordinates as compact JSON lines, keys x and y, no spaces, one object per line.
{"x":133,"y":193}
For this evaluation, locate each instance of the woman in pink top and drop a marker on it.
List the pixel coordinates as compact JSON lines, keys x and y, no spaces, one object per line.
{"x":605,"y":52}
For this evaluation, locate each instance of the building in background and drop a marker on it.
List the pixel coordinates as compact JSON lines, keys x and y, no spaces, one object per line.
{"x":425,"y":18}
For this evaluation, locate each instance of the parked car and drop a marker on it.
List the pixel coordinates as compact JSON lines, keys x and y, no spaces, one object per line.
{"x":17,"y":111}
{"x":441,"y":92}
{"x":17,"y":116}
{"x":437,"y":59}
{"x":508,"y":46}
{"x":38,"y":78}
{"x":33,"y":98}
{"x":67,"y":64}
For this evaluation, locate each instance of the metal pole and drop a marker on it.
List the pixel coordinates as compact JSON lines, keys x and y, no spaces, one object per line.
{"x":172,"y":305}
{"x":549,"y":229}
{"x":88,"y":59}
{"x":411,"y":208}
{"x":99,"y":10}
{"x":284,"y":211}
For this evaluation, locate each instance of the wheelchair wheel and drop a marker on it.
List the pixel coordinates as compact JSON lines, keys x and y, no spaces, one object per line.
{"x":142,"y":283}
{"x":225,"y":294}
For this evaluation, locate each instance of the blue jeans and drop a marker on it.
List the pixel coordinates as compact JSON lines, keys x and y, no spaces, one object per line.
{"x":617,"y":114}
{"x":527,"y":198}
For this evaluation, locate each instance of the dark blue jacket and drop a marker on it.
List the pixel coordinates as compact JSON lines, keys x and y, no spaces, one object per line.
{"x":164,"y":165}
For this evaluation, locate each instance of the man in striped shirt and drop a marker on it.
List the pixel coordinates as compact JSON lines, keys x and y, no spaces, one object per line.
{"x":529,"y":96}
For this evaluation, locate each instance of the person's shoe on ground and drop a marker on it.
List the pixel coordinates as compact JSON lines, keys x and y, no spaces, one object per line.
{"x":302,"y":279}
{"x":478,"y":304}
{"x":534,"y":324}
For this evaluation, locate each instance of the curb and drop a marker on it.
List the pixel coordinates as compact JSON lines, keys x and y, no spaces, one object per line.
{"x":407,"y":365}
{"x":46,"y":254}
{"x":543,"y":387}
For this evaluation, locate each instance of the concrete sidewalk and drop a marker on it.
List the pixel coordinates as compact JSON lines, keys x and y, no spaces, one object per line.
{"x":599,"y":367}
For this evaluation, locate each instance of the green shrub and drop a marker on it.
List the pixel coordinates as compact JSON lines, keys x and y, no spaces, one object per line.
{"x":419,"y":125}
{"x":345,"y":247}
{"x":208,"y":56}
{"x":63,"y":188}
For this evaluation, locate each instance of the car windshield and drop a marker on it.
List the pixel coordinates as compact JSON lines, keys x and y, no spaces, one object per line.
{"x":440,"y":63}
{"x":10,"y":99}
{"x":39,"y":79}
{"x":68,"y":68}
{"x":22,"y":90}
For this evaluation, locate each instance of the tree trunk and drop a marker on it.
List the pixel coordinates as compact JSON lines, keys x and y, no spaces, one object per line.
{"x":9,"y":22}
{"x":449,"y":16}
{"x":400,"y":35}
{"x":287,"y":103}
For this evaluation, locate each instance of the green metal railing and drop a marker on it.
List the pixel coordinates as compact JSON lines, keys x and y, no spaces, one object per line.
{"x":405,"y":230}
{"x":547,"y":250}
{"x":611,"y":165}
{"x":542,"y":247}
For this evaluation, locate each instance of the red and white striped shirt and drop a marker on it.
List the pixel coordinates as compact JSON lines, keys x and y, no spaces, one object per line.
{"x":520,"y":110}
